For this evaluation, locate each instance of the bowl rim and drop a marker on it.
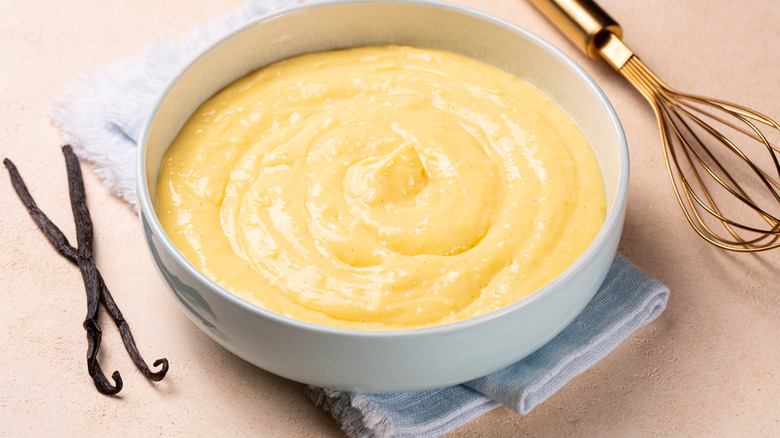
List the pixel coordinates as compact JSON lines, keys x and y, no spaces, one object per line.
{"x":614,"y":217}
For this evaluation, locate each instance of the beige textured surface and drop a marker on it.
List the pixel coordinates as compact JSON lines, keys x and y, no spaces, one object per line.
{"x":709,"y":366}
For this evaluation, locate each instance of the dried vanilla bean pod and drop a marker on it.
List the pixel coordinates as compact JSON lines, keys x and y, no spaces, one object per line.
{"x":105,"y":294}
{"x":61,"y":244}
{"x":84,"y":239}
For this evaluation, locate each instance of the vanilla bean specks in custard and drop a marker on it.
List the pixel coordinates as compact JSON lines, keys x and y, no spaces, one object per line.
{"x":381,"y":188}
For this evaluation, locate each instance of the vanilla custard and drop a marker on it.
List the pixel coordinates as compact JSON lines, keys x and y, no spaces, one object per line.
{"x":381,"y":188}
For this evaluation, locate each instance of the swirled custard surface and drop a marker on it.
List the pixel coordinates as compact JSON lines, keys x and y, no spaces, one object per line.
{"x":381,"y":188}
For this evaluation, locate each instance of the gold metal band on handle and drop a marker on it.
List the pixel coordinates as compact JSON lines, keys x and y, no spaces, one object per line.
{"x":582,"y":21}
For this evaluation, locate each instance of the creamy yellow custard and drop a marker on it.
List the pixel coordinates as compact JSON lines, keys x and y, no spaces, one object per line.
{"x":381,"y":188}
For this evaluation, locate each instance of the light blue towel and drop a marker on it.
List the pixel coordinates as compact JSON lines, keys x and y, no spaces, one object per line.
{"x":101,"y":117}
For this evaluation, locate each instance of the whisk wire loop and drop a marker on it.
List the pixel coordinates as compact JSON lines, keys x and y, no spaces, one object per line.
{"x":698,"y":177}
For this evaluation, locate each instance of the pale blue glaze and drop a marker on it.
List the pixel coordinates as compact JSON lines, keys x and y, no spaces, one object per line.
{"x":370,"y":361}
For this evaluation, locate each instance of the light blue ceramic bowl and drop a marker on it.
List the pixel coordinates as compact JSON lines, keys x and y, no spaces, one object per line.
{"x":397,"y":360}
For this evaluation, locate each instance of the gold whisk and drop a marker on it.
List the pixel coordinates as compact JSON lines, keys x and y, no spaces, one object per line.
{"x":694,"y":131}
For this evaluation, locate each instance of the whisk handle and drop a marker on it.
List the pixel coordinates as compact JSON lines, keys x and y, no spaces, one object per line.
{"x":582,"y":21}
